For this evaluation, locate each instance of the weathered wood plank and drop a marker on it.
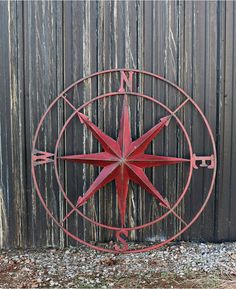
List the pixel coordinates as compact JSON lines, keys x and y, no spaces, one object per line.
{"x":13,"y":199}
{"x":226,"y":129}
{"x":210,"y":110}
{"x":42,"y":27}
{"x":188,"y":87}
{"x":232,"y":217}
{"x":221,"y":21}
{"x":45,"y":46}
{"x":4,"y":129}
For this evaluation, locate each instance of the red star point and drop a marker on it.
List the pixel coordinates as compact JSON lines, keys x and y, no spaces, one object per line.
{"x":123,"y":160}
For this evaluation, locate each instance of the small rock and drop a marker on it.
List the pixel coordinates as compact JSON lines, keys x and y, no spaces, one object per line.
{"x":233,"y":256}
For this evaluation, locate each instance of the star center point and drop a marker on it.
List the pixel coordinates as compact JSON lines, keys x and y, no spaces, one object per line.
{"x":122,"y":160}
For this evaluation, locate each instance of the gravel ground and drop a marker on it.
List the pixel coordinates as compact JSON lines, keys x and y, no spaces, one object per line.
{"x":180,"y":265}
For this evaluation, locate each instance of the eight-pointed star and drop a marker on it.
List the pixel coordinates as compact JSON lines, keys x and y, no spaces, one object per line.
{"x":123,"y":160}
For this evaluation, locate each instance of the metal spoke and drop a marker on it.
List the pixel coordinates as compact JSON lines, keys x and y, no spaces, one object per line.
{"x":180,"y":106}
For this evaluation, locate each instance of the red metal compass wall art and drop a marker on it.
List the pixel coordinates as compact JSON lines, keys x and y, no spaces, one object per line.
{"x":122,"y":147}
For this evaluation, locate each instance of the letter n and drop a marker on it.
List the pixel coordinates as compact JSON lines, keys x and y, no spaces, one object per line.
{"x":126,"y":80}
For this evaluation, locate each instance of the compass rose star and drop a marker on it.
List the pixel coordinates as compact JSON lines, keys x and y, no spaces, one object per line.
{"x":123,"y":160}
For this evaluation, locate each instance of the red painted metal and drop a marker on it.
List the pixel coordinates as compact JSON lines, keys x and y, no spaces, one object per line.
{"x":203,"y":161}
{"x":124,"y":159}
{"x":170,"y":113}
{"x":41,"y":157}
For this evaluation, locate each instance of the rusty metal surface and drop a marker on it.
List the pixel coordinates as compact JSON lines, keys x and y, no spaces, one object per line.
{"x":45,"y":46}
{"x":123,"y":161}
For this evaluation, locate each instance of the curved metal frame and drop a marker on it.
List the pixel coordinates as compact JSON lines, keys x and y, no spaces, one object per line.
{"x":118,"y":230}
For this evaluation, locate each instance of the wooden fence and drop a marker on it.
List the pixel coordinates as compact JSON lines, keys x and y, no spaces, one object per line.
{"x":45,"y":46}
